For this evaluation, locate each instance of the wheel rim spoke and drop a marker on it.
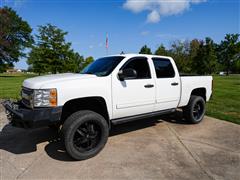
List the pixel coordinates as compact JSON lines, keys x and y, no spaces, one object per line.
{"x":80,"y":132}
{"x":93,"y":136}
{"x":87,"y":136}
{"x":197,"y":110}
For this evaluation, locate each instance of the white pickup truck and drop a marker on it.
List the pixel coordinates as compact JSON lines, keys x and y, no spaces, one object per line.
{"x":111,"y":90}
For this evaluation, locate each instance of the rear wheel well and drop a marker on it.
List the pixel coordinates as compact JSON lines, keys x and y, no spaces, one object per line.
{"x":96,"y":104}
{"x":199,"y":92}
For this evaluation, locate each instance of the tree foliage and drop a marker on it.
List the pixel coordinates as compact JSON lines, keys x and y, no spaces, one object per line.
{"x":52,"y":53}
{"x":15,"y":36}
{"x":87,"y":61}
{"x":179,"y":52}
{"x":229,"y":52}
{"x":204,"y":56}
{"x":161,"y":50}
{"x":145,"y":50}
{"x":205,"y":60}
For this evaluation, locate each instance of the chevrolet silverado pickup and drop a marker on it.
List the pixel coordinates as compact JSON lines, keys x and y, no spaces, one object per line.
{"x":112,"y":90}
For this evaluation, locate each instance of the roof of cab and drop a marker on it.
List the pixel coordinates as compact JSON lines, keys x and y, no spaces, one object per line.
{"x":129,"y":55}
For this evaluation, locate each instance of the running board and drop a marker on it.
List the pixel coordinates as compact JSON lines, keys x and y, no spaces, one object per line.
{"x":141,"y":116}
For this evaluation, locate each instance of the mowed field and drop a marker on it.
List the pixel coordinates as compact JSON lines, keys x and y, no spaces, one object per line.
{"x":10,"y":85}
{"x":225,"y":102}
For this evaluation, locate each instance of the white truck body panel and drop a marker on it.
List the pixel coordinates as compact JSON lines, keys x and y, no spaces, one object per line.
{"x":128,"y":97}
{"x":167,"y":96}
{"x":192,"y":82}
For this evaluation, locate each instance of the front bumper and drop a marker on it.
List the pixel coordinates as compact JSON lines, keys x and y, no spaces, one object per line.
{"x":21,"y":116}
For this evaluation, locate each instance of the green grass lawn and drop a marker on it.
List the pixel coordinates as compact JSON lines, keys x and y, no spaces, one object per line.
{"x":10,"y":85}
{"x":225,"y":102}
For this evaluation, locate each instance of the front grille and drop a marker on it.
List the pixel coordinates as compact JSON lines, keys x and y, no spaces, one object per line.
{"x":27,"y":96}
{"x":26,"y":102}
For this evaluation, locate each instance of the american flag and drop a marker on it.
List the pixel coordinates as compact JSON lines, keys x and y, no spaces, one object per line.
{"x":107,"y":41}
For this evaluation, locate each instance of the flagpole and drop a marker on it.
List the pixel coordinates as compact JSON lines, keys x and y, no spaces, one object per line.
{"x":107,"y":43}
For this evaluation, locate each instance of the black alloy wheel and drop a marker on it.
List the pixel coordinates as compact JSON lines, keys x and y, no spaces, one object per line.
{"x":198,"y":109}
{"x":87,"y":136}
{"x":195,"y":110}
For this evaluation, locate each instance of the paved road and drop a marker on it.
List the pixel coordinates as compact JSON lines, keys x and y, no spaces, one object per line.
{"x":156,"y":148}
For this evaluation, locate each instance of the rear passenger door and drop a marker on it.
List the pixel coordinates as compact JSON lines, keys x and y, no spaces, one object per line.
{"x":167,"y":84}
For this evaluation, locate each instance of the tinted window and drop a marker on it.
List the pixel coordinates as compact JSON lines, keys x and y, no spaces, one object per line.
{"x":163,"y":68}
{"x":140,"y":65}
{"x":103,"y":66}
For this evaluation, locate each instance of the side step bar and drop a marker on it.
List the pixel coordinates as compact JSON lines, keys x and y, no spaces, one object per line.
{"x":141,"y":116}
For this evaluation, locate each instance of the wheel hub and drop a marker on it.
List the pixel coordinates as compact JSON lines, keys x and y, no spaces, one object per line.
{"x":87,"y":136}
{"x":197,"y":110}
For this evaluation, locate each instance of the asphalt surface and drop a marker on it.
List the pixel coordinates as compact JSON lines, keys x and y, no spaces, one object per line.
{"x":156,"y":148}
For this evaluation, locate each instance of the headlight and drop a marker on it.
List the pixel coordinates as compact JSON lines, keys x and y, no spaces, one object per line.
{"x":45,"y":98}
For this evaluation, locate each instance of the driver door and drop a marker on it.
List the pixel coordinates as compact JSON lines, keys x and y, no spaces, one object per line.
{"x":134,"y":96}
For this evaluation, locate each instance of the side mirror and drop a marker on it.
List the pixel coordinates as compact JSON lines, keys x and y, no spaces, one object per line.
{"x":127,"y":74}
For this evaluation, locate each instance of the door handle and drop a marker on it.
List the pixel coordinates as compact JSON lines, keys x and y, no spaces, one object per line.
{"x":174,"y":84}
{"x":149,"y":86}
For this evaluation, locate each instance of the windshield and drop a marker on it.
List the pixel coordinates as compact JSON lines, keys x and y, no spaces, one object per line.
{"x":103,"y":66}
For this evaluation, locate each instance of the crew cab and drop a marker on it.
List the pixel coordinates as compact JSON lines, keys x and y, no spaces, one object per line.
{"x":112,"y":90}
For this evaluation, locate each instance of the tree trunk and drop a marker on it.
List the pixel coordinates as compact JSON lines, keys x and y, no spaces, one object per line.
{"x":228,"y":67}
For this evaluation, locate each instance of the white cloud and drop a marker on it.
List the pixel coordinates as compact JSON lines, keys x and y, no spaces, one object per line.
{"x":153,"y":17}
{"x":159,"y":8}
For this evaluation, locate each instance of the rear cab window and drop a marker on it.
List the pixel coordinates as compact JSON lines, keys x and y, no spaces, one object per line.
{"x":163,"y":68}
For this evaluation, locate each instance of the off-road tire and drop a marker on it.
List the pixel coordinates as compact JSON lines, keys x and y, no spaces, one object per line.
{"x":82,"y":119}
{"x":195,"y":110}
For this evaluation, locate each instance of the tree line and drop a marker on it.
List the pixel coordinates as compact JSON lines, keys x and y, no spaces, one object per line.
{"x":203,"y":56}
{"x":48,"y":50}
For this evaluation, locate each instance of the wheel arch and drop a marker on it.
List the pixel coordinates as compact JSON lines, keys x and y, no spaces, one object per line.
{"x":93,"y":103}
{"x":199,"y":92}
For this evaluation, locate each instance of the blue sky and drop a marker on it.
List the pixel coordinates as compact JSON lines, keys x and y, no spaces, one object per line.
{"x":130,"y":24}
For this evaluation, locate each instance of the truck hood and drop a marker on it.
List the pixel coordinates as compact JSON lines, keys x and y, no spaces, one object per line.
{"x":38,"y":82}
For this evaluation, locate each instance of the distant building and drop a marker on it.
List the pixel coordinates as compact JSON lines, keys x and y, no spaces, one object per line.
{"x":12,"y":70}
{"x":222,"y":73}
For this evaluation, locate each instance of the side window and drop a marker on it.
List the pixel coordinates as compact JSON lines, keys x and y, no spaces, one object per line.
{"x":163,"y":68}
{"x":140,"y":65}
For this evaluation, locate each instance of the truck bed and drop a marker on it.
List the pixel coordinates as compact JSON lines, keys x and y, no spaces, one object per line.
{"x":190,"y":82}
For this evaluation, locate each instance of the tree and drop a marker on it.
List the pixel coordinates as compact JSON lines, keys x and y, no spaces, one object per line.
{"x":205,"y":61}
{"x":228,"y":50}
{"x":210,"y":56}
{"x":52,"y":53}
{"x":194,"y":47}
{"x":36,"y":62}
{"x":15,"y":36}
{"x":87,"y":61}
{"x":197,"y":62}
{"x":72,"y":62}
{"x":161,"y":50}
{"x":236,"y":65}
{"x":179,"y":52}
{"x":145,"y":50}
